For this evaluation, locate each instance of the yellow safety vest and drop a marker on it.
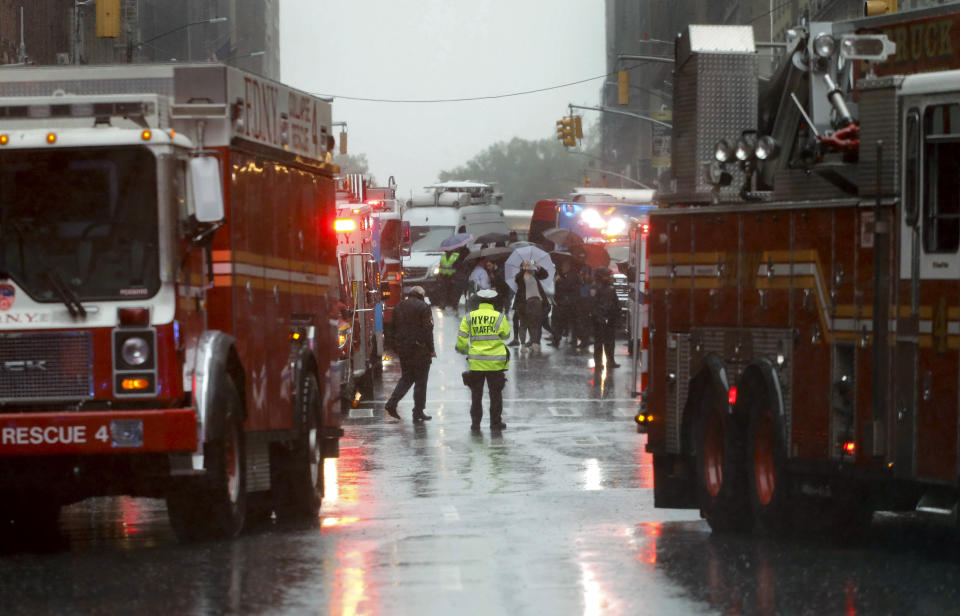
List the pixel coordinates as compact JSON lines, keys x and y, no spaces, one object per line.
{"x":481,"y":337}
{"x":446,"y":263}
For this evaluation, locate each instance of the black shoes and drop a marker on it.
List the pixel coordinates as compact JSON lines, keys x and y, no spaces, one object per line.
{"x":498,"y":426}
{"x":392,"y":413}
{"x":475,"y":427}
{"x":421,"y":416}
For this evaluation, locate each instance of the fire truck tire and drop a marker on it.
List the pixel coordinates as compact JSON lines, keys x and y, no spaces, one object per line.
{"x":721,"y":472}
{"x":767,"y":478}
{"x":215,"y":506}
{"x":299,"y":468}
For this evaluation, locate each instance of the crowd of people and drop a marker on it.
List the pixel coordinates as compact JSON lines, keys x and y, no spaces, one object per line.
{"x":584,"y":308}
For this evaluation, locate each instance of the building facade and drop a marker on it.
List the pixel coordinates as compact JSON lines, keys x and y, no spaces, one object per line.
{"x":244,"y":33}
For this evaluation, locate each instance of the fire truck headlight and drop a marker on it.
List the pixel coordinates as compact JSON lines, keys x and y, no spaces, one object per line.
{"x":824,"y":45}
{"x":135,"y":351}
{"x":342,"y":339}
{"x":767,"y":148}
{"x":722,"y":151}
{"x":744,"y":150}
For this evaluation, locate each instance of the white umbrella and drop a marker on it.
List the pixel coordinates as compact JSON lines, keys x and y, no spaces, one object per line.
{"x":529,"y":253}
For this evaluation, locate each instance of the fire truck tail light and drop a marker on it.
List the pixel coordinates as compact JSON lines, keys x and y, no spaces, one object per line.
{"x":51,"y":138}
{"x":732,"y":396}
{"x":146,"y":135}
{"x":4,"y":139}
{"x":849,"y":448}
{"x":139,"y":317}
{"x":344,"y":225}
{"x":645,"y":229}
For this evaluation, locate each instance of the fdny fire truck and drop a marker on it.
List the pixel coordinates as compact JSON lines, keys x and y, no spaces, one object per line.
{"x":168,"y":293}
{"x":359,"y":339}
{"x":805,"y":265}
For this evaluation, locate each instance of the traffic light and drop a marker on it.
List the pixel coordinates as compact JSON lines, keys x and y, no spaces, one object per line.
{"x":569,"y":139}
{"x":577,"y":127}
{"x":343,"y":142}
{"x":561,"y":130}
{"x":623,"y":87}
{"x":108,"y":18}
{"x":879,"y":7}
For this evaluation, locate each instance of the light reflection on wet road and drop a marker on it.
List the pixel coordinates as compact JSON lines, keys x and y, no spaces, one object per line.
{"x":554,"y":516}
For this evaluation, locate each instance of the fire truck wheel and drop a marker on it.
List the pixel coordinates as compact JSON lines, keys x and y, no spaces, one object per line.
{"x":215,"y":507}
{"x":299,"y":468}
{"x":720,"y":469}
{"x":766,"y":476}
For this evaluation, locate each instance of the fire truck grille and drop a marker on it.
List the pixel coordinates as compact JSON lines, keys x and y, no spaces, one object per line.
{"x":46,"y":366}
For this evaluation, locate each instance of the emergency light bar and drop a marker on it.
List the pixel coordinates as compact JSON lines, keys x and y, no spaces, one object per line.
{"x":344,"y":225}
{"x":77,"y":110}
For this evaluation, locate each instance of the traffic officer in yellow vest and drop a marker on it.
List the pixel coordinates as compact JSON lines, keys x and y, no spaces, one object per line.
{"x":450,"y":264}
{"x":481,"y":336}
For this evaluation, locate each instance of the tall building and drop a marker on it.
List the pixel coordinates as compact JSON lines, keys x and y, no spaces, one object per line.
{"x":244,"y":33}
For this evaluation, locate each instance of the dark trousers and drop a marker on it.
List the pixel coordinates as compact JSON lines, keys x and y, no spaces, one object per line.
{"x":531,"y":319}
{"x":563,"y":319}
{"x":495,"y":380}
{"x":603,"y":341}
{"x":413,"y":373}
{"x":517,"y":332}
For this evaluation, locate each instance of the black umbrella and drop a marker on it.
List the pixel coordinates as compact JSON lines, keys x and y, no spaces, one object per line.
{"x":563,"y":237}
{"x":492,"y":238}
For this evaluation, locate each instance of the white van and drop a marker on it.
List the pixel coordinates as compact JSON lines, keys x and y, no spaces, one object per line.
{"x":448,"y":208}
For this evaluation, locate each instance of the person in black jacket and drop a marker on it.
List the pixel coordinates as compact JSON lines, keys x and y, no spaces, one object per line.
{"x":413,"y":324}
{"x":567,"y":285}
{"x":605,"y":309}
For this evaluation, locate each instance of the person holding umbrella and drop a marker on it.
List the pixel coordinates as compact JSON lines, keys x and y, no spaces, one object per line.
{"x":533,"y":267}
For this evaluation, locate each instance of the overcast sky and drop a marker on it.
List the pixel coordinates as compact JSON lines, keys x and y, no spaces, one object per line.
{"x":432,"y":49}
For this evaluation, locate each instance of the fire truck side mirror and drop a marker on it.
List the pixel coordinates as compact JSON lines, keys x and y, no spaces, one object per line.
{"x":206,"y":192}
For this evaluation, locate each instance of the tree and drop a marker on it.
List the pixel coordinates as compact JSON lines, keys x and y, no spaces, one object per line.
{"x":525,"y":171}
{"x":356,"y":163}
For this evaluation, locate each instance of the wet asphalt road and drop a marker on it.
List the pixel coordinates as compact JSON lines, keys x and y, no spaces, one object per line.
{"x":554,"y":516}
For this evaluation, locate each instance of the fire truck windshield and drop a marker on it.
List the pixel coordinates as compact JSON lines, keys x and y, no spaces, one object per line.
{"x":86,"y":217}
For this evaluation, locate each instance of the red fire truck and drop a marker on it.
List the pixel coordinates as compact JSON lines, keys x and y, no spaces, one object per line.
{"x":805,"y":265}
{"x":361,"y":345}
{"x":168,"y":293}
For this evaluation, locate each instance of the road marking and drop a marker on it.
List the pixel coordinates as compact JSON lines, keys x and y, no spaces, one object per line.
{"x":450,"y":514}
{"x":357,"y":413}
{"x":589,"y":440}
{"x":563,"y":411}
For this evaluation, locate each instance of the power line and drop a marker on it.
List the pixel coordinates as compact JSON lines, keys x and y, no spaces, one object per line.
{"x":467,"y":98}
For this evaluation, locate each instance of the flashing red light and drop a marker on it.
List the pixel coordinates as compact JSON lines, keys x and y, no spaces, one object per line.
{"x":344,"y":225}
{"x":133,"y":317}
{"x":376,"y":203}
{"x":732,"y":396}
{"x":849,"y":448}
{"x":645,"y":228}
